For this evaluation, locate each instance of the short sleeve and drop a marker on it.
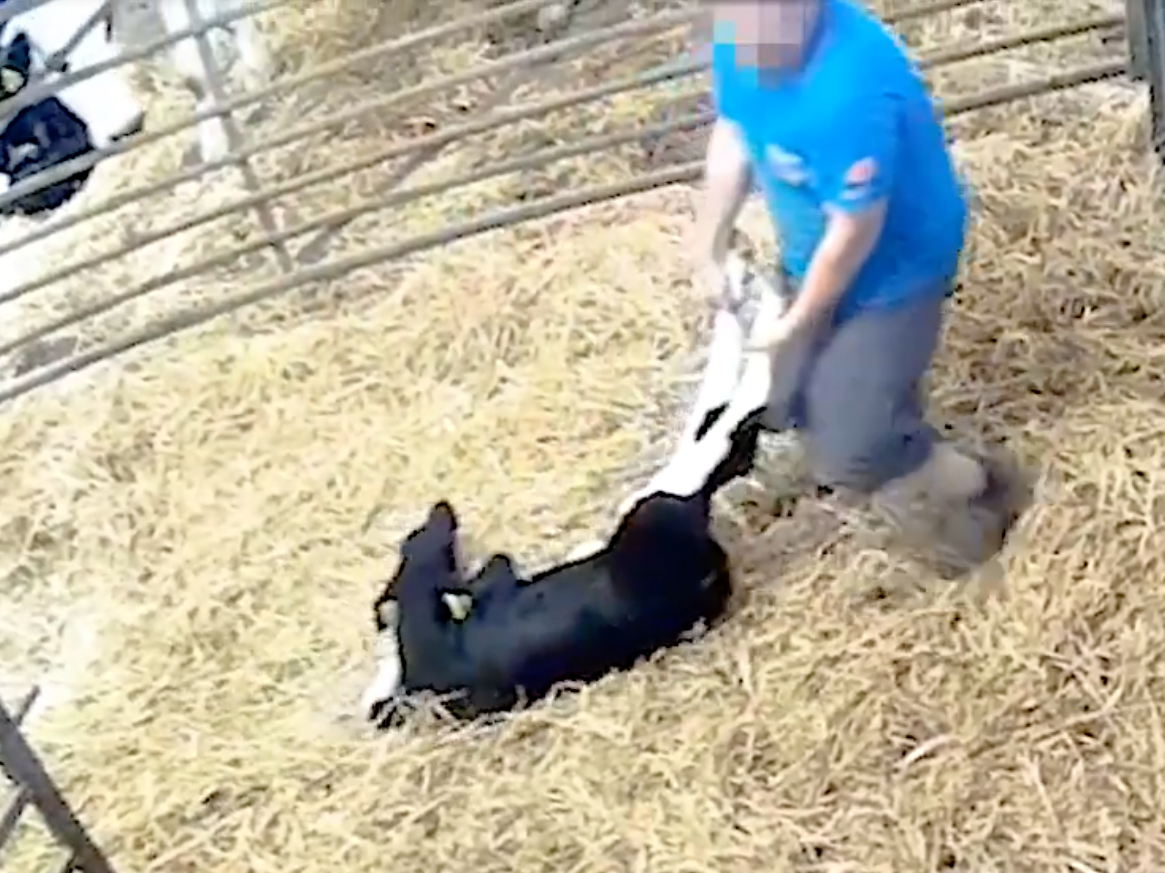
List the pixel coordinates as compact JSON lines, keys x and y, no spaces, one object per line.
{"x":856,"y":165}
{"x":725,"y":93}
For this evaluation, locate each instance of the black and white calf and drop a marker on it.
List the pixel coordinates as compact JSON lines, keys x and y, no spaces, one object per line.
{"x":485,"y":645}
{"x":70,"y":35}
{"x":81,"y":117}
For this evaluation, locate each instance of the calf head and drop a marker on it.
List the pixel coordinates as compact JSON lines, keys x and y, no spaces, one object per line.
{"x":428,"y":565}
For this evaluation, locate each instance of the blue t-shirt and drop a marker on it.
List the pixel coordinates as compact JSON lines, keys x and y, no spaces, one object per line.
{"x":854,"y":125}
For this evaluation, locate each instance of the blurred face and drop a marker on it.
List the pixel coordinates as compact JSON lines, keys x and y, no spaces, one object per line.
{"x":767,"y":33}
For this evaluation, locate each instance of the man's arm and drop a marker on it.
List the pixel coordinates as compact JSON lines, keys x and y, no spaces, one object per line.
{"x":727,"y":178}
{"x":855,"y":177}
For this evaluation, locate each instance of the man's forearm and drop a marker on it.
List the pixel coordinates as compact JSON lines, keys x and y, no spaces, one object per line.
{"x":727,"y":178}
{"x":843,"y":250}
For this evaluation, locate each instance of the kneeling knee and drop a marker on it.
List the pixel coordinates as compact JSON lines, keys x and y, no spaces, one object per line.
{"x":865,"y":463}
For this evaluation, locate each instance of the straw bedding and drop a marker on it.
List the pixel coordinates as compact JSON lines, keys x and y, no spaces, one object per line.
{"x":222,"y":511}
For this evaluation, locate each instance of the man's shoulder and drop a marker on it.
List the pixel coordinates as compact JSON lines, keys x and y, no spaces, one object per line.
{"x":863,"y":42}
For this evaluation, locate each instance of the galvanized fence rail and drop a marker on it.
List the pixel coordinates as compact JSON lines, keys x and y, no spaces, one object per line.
{"x":308,"y":264}
{"x":1146,"y":25}
{"x":32,"y":790}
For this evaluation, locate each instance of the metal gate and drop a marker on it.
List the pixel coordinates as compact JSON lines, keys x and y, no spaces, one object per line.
{"x":300,"y":250}
{"x":31,"y":791}
{"x":309,"y":263}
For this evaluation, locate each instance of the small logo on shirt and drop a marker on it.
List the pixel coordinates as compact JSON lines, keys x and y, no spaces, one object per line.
{"x":786,"y":167}
{"x":859,"y":178}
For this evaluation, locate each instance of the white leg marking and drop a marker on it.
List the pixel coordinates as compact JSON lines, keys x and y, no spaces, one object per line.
{"x":721,"y":373}
{"x":689,"y":470}
{"x":718,"y":385}
{"x":691,"y":466}
{"x":213,"y":142}
{"x":693,"y":462}
{"x":106,"y":102}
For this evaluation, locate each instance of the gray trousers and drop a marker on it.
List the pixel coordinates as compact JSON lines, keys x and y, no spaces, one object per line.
{"x":855,"y":393}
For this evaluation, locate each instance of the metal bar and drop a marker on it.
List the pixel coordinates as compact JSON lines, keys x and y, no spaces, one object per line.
{"x":1073,"y":78}
{"x":514,"y":61}
{"x":214,"y":86}
{"x":503,"y":65}
{"x":174,"y":180}
{"x":25,"y":704}
{"x":34,"y":93}
{"x":956,"y":53}
{"x":284,"y":85}
{"x":926,"y":10}
{"x":463,"y":131}
{"x":19,"y":714}
{"x":11,"y":814}
{"x":315,"y":249}
{"x":329,"y":219}
{"x":11,"y":9}
{"x":542,"y":208}
{"x":57,"y":61}
{"x":548,"y":52}
{"x":491,"y":221}
{"x":20,"y":798}
{"x":1137,"y":34}
{"x":501,"y":118}
{"x":1154,"y":12}
{"x":29,"y":771}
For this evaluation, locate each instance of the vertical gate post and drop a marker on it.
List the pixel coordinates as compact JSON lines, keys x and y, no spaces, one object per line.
{"x":234,"y":135}
{"x":1137,"y":33}
{"x":1152,"y":13}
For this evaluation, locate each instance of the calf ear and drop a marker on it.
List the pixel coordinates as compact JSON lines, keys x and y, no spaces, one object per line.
{"x":499,"y":563}
{"x":442,"y":518}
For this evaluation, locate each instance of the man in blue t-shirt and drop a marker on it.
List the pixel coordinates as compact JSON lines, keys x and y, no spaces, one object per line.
{"x":819,"y":104}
